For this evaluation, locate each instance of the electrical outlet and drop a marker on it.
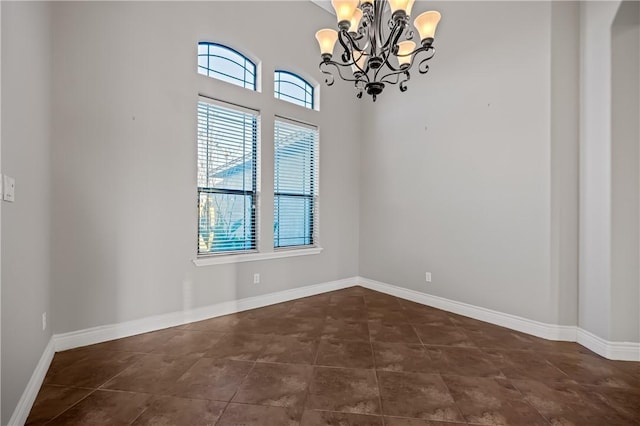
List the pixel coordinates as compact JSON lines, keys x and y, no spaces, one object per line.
{"x":256,"y":278}
{"x":427,"y":277}
{"x":44,"y":321}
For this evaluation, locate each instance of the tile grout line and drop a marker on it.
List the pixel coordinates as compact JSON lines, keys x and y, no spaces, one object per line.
{"x":100,"y":387}
{"x":529,"y":404}
{"x":48,"y":422}
{"x":313,"y":369}
{"x":464,"y":419}
{"x":375,"y":376}
{"x":425,"y":347}
{"x":224,"y":410}
{"x":143,"y":411}
{"x":93,"y":390}
{"x":227,"y":403}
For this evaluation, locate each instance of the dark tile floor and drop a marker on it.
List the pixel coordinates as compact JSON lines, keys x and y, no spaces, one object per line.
{"x":351,"y":357}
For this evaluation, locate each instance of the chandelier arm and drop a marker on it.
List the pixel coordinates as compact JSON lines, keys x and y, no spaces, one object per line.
{"x":358,"y":36}
{"x":347,"y":62}
{"x":347,"y":52}
{"x":388,"y":48}
{"x":352,"y":43}
{"x":407,"y":68}
{"x":363,"y":72}
{"x":403,"y":85}
{"x":410,"y":35}
{"x":387,"y":77}
{"x":338,"y":66}
{"x":390,"y":66}
{"x":423,"y":67}
{"x":387,"y":64}
{"x":329,"y":79}
{"x":349,"y":46}
{"x":360,"y":87}
{"x":396,"y":33}
{"x":430,"y":51}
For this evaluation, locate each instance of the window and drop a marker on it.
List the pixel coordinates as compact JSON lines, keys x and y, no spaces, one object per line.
{"x":295,"y":183}
{"x":226,"y":64}
{"x":293,"y":88}
{"x":227,"y":177}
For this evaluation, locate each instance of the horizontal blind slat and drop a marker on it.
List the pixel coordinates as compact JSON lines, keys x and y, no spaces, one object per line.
{"x":295,"y":181}
{"x":227,"y":157}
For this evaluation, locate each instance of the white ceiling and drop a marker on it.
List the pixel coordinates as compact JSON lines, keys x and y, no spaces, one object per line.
{"x":325,"y":4}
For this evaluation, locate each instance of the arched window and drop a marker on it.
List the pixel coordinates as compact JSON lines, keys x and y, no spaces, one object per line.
{"x":293,"y":88}
{"x":226,"y":64}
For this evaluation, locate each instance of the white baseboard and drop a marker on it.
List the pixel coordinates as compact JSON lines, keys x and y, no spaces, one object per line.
{"x":627,"y":351}
{"x":30,"y":393}
{"x":105,"y":333}
{"x":623,"y":351}
{"x":535,"y":328}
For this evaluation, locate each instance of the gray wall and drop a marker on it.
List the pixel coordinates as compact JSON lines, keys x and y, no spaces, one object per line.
{"x":457,"y":171}
{"x":124,"y":155}
{"x":609,"y":297}
{"x":26,"y":118}
{"x":625,"y":178}
{"x":565,"y":112}
{"x":595,"y":167}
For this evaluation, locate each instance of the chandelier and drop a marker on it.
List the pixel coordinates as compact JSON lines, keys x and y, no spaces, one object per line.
{"x":376,"y":43}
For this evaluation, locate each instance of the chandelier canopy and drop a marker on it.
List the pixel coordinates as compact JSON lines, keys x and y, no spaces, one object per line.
{"x":376,"y":38}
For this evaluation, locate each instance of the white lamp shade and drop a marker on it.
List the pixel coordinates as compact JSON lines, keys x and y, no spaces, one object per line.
{"x":327,"y":40}
{"x":410,"y":6}
{"x":426,"y":24}
{"x":405,"y":48}
{"x":344,"y":9}
{"x":355,"y":20}
{"x":398,"y":5}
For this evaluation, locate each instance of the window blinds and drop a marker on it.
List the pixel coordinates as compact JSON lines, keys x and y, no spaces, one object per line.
{"x":295,"y":183}
{"x":227,"y":177}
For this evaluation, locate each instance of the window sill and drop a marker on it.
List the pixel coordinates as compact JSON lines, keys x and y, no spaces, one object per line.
{"x":252,"y":257}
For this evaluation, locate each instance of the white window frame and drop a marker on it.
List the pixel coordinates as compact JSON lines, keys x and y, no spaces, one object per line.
{"x":315,"y":225}
{"x":255,"y":192}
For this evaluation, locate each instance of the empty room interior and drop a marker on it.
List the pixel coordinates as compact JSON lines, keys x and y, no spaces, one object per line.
{"x":391,"y":213}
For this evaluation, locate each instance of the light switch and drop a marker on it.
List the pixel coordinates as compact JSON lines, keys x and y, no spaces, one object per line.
{"x":9,"y":189}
